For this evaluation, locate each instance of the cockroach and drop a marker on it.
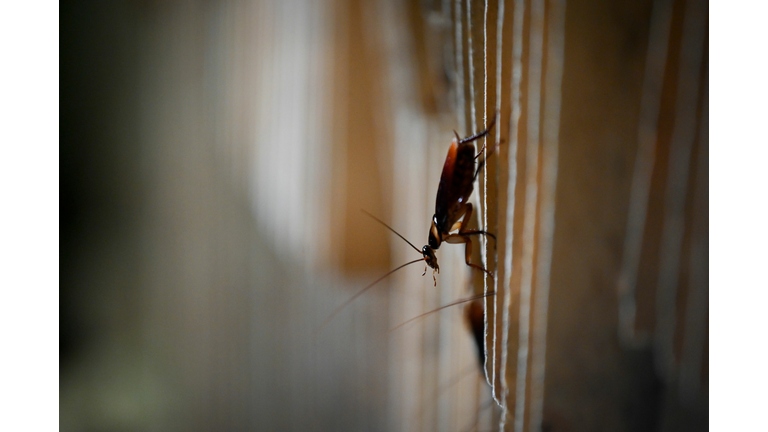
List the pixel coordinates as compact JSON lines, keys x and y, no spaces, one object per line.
{"x":456,"y":185}
{"x":452,"y":209}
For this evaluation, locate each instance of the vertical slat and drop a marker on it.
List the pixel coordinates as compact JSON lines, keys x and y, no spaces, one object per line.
{"x":697,"y":308}
{"x":683,"y":136}
{"x":514,"y":123}
{"x":550,"y":138}
{"x":500,"y":368}
{"x":650,"y":105}
{"x":531,"y":199}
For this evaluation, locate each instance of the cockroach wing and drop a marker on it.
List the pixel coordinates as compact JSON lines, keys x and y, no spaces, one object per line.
{"x":455,"y":185}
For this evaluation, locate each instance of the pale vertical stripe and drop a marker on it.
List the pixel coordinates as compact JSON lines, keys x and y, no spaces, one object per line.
{"x":282,"y":82}
{"x":514,"y":123}
{"x":471,"y":65}
{"x":550,"y":138}
{"x":476,"y":197}
{"x":497,"y":139}
{"x":698,"y":285}
{"x":472,"y":108}
{"x":531,"y":196}
{"x":292,"y":76}
{"x":673,"y":228}
{"x":460,"y":100}
{"x":318,"y":218}
{"x":650,"y":104}
{"x":484,"y":222}
{"x":499,"y":40}
{"x":400,"y":395}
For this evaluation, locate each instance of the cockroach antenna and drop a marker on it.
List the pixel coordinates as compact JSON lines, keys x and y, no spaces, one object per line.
{"x":457,"y":302}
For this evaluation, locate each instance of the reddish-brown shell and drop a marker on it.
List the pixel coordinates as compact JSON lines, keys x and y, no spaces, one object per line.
{"x":455,"y":185}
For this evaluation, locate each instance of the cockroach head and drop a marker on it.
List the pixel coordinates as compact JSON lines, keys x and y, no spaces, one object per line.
{"x":430,"y":258}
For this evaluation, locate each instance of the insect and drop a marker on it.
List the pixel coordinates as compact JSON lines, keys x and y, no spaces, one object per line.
{"x":456,"y":185}
{"x":452,"y":209}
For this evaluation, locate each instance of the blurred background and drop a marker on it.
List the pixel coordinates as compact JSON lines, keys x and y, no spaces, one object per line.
{"x":214,"y":159}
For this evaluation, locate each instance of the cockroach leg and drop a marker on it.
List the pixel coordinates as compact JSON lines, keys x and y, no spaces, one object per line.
{"x":481,"y":134}
{"x":482,"y":162}
{"x":462,"y":238}
{"x":478,"y":232}
{"x":490,"y":152}
{"x":481,"y":152}
{"x":433,"y":273}
{"x":463,"y":230}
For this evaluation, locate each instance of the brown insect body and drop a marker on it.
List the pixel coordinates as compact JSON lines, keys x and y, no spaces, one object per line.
{"x":452,"y":202}
{"x":456,"y":185}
